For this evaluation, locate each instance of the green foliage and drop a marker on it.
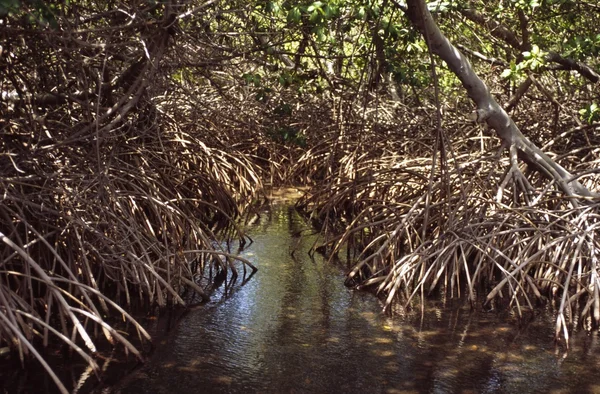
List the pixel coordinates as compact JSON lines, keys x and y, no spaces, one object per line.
{"x":8,"y":7}
{"x":390,"y":29}
{"x":316,"y":13}
{"x":262,"y":92}
{"x":252,"y":79}
{"x":294,"y":15}
{"x":283,"y":109}
{"x":286,"y":79}
{"x":35,"y":12}
{"x":262,"y":95}
{"x":533,"y":61}
{"x":375,"y":36}
{"x":281,"y":131}
{"x":439,"y":6}
{"x":527,"y":4}
{"x":513,"y":73}
{"x":287,"y":135}
{"x":591,"y":113}
{"x":583,"y":47}
{"x":272,"y":7}
{"x":417,"y":76}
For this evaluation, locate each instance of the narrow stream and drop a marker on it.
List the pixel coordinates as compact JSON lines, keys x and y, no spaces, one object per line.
{"x":295,"y":328}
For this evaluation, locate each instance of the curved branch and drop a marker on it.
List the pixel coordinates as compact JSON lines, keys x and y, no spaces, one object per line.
{"x":570,"y":64}
{"x":505,"y":34}
{"x":488,"y":108}
{"x":496,"y":29}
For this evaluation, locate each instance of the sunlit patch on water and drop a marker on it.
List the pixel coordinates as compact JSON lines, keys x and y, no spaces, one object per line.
{"x":226,"y":380}
{"x":295,"y":328}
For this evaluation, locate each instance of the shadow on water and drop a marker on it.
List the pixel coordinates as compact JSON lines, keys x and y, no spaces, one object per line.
{"x":295,"y":328}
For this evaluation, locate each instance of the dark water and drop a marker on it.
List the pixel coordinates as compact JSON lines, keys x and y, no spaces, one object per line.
{"x":295,"y":328}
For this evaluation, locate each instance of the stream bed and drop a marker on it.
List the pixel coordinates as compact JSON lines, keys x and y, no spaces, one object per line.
{"x":295,"y":328}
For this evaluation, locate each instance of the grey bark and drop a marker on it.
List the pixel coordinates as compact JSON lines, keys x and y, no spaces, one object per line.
{"x":488,"y":109}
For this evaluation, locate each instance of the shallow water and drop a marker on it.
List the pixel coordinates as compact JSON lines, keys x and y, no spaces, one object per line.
{"x":295,"y":328}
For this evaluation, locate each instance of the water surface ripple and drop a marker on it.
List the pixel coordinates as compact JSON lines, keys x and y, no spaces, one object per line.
{"x":295,"y":328}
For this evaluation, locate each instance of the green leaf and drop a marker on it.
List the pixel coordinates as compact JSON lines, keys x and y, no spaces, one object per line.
{"x":506,"y":73}
{"x":360,"y":14}
{"x":315,"y":17}
{"x":9,"y":7}
{"x":272,"y":7}
{"x":331,"y":11}
{"x":321,"y":34}
{"x":590,"y":114}
{"x":438,"y":6}
{"x":294,"y":15}
{"x":375,"y":10}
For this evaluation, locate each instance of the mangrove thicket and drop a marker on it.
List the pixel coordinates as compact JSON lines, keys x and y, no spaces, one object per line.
{"x":447,"y":147}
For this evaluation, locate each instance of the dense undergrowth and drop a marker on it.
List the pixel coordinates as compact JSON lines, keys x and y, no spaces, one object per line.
{"x":427,"y":209}
{"x":124,"y":174}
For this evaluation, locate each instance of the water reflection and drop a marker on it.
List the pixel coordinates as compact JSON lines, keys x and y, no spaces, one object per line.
{"x":295,"y":328}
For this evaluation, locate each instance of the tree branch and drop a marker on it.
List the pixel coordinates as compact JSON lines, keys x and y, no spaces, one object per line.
{"x":487,"y":107}
{"x":503,"y":33}
{"x":496,"y":29}
{"x":570,"y":64}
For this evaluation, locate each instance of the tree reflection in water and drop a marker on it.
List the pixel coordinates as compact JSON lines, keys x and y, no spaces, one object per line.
{"x":295,"y":328}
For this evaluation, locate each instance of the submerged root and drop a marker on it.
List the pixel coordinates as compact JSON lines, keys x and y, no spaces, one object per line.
{"x":86,"y":239}
{"x":452,"y":221}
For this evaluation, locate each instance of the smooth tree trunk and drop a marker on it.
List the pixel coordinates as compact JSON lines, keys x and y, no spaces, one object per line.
{"x":488,"y":109}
